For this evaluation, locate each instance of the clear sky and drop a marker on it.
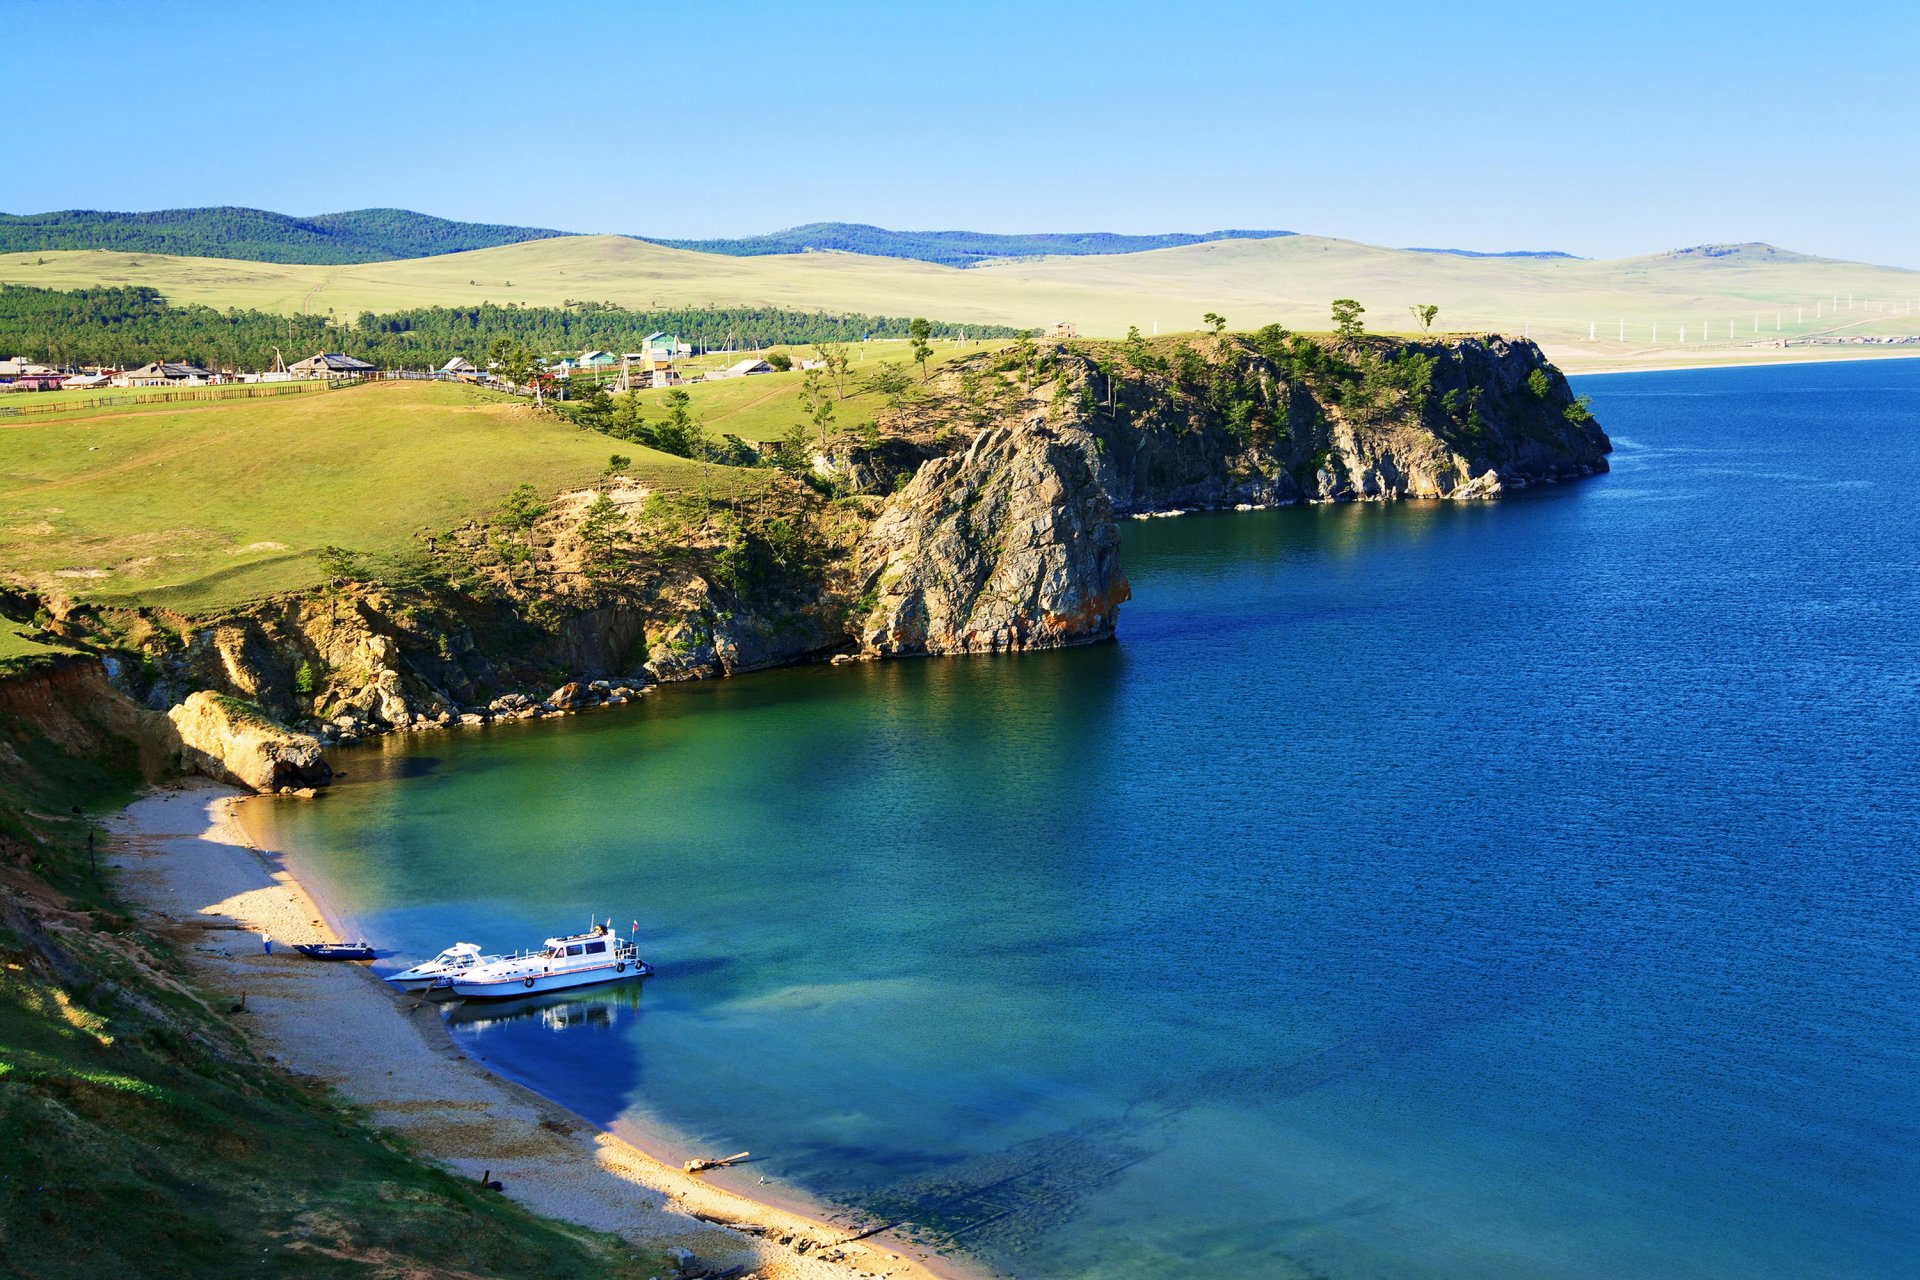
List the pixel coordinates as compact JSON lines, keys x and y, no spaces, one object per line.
{"x":1600,"y":129}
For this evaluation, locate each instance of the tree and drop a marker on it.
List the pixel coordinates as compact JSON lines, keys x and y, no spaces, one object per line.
{"x":815,"y":402}
{"x":1023,"y":352}
{"x":1539,"y":383}
{"x":1346,"y":317}
{"x":918,"y":333}
{"x":892,"y":383}
{"x":835,"y":361}
{"x":780,"y":361}
{"x":603,"y":535}
{"x":680,"y":433}
{"x":790,"y":455}
{"x":516,"y":518}
{"x":1217,"y":322}
{"x":626,"y":421}
{"x":1425,"y":315}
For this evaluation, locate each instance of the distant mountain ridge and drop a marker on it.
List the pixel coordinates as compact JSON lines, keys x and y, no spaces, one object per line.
{"x":381,"y":235}
{"x":384,"y":235}
{"x":255,"y":235}
{"x":949,"y":248}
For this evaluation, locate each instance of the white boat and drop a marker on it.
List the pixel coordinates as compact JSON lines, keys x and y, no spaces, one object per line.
{"x":576,"y":960}
{"x":457,"y":958}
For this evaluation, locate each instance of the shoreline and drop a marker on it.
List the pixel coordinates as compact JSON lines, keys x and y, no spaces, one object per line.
{"x":1757,"y":362}
{"x":189,"y":862}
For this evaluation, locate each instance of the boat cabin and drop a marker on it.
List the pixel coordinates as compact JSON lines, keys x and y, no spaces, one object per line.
{"x":583,"y":948}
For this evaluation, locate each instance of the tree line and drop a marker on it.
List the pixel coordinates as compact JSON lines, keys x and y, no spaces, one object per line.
{"x":131,"y":325}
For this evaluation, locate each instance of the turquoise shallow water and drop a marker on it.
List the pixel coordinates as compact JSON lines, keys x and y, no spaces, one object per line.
{"x":1515,"y":889}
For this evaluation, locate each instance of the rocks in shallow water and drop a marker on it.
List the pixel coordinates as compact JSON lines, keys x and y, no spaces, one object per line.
{"x":235,"y":741}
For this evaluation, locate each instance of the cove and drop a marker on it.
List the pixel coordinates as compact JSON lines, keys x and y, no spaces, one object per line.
{"x":1488,"y":889}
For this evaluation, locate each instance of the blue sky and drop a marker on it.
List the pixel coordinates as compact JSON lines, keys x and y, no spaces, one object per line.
{"x":1601,"y":129}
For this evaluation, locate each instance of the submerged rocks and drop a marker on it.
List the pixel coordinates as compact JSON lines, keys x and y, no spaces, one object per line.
{"x":236,"y":742}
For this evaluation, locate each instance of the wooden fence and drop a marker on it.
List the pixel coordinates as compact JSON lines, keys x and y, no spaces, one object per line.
{"x":30,"y":403}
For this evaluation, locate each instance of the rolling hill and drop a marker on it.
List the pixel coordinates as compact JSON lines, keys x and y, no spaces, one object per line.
{"x":1587,"y":313}
{"x":254,"y":235}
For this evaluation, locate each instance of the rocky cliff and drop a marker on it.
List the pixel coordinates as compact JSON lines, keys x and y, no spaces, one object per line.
{"x":980,"y":515}
{"x":1009,"y":544}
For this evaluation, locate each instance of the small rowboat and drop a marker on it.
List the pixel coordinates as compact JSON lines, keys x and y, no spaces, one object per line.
{"x":334,"y":950}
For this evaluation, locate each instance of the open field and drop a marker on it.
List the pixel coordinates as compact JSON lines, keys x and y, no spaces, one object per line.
{"x":767,"y":405}
{"x":1637,"y":307}
{"x":213,"y":503}
{"x":37,"y":404}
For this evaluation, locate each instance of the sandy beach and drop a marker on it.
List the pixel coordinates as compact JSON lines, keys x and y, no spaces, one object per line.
{"x":184,"y":855}
{"x":1577,"y":366}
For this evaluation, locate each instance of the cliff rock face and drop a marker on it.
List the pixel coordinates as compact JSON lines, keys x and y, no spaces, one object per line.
{"x":1482,"y":423}
{"x":1009,"y":545}
{"x":232,"y":742}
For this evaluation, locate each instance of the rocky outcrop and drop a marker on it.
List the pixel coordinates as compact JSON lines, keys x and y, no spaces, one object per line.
{"x":1009,"y":545}
{"x":1487,"y":415}
{"x":232,"y":741}
{"x":978,"y":516}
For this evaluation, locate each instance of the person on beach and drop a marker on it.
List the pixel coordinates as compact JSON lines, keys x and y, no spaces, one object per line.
{"x":266,"y":942}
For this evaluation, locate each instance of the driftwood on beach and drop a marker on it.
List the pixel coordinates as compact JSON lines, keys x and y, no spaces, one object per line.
{"x":718,"y":1162}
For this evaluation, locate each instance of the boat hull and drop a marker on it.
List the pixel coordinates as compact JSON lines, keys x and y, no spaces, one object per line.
{"x":509,"y":987}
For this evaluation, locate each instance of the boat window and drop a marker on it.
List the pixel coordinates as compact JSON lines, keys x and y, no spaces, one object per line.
{"x":596,"y":948}
{"x":575,"y":949}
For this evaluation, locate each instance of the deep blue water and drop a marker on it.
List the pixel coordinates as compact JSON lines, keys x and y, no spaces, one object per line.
{"x":1511,"y":889}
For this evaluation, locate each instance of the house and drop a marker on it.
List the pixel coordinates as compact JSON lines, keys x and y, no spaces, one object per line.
{"x":665,"y":345}
{"x":1063,"y":329}
{"x":331,"y":364}
{"x":36,"y":382}
{"x":596,"y":360}
{"x":742,"y":369}
{"x":89,"y":381}
{"x":164,"y":373}
{"x":458,"y":366}
{"x":11,"y":369}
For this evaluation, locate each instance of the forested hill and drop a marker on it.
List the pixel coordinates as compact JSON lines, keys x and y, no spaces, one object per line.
{"x":255,"y":235}
{"x":949,"y":248}
{"x":128,"y":326}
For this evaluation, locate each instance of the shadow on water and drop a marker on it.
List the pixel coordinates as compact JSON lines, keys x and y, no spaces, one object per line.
{"x":551,"y":1043}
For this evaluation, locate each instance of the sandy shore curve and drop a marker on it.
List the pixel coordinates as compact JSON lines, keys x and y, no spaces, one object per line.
{"x":184,"y":857}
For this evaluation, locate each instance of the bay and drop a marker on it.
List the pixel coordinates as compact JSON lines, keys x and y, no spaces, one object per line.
{"x":1523,"y":888}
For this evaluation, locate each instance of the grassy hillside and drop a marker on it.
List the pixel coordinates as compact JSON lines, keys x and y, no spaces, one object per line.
{"x":203,"y":504}
{"x":1290,"y":280}
{"x":139,"y":1134}
{"x":362,"y":235}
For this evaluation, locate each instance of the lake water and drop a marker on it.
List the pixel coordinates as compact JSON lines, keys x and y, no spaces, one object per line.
{"x":1514,"y":889}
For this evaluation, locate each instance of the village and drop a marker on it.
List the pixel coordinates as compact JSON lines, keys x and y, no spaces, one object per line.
{"x":658,"y":363}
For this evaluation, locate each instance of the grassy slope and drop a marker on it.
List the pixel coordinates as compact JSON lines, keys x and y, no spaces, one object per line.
{"x":138,"y":1136}
{"x":17,"y":652}
{"x":767,"y":405}
{"x":210,"y":503}
{"x":1288,"y":280}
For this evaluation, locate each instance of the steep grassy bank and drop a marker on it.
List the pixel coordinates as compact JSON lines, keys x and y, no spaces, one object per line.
{"x":139,"y":1134}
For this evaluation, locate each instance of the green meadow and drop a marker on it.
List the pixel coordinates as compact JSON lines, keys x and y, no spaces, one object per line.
{"x":209,"y":503}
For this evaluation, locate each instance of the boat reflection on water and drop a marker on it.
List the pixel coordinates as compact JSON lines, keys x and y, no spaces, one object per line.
{"x":603,"y":1009}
